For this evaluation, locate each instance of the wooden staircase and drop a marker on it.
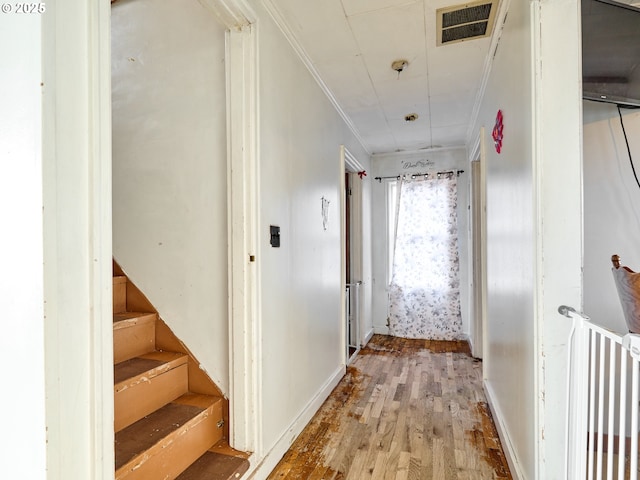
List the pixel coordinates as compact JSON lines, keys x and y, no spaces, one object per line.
{"x":170,"y":418}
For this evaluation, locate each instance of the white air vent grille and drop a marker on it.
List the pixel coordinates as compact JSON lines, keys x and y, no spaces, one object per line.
{"x":465,"y":22}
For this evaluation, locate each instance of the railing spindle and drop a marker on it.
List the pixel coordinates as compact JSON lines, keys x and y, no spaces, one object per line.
{"x":600,"y":414}
{"x":621,"y":412}
{"x":611,"y":410}
{"x":633,"y":453}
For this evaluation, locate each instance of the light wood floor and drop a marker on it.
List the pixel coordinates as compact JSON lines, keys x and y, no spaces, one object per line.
{"x":407,"y":409}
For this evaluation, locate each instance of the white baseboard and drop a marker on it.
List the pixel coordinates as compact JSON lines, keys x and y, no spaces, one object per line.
{"x":474,"y":351}
{"x":261,"y":468}
{"x":380,"y":330}
{"x":503,"y":433}
{"x":367,"y":337}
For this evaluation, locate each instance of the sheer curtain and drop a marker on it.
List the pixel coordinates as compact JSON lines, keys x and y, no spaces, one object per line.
{"x":424,"y":293}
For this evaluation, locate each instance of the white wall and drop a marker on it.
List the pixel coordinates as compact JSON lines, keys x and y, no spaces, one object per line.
{"x":169,"y":168}
{"x":399,"y":164}
{"x":533,"y":229}
{"x":611,"y":207}
{"x":509,"y":365}
{"x":300,"y":138}
{"x":21,"y":247}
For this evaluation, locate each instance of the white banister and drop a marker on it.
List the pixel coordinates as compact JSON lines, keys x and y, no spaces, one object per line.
{"x":600,"y":407}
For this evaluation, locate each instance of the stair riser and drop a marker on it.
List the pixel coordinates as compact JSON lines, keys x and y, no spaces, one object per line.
{"x":134,"y":402}
{"x":133,"y":341}
{"x":170,"y":457}
{"x":119,"y":294}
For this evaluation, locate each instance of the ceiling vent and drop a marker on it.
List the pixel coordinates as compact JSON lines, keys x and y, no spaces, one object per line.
{"x":464,"y":22}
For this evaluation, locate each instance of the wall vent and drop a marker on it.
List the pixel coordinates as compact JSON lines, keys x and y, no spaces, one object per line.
{"x":464,"y":22}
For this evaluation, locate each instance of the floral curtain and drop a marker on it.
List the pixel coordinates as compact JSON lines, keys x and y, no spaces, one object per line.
{"x":424,"y":294}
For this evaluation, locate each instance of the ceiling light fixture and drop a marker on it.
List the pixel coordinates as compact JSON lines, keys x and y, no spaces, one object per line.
{"x":399,"y":65}
{"x":412,"y":117}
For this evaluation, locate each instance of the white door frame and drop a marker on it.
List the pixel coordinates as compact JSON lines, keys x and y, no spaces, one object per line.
{"x":76,"y":158}
{"x":478,"y":264}
{"x":245,"y":375}
{"x":350,"y":164}
{"x":243,"y":192}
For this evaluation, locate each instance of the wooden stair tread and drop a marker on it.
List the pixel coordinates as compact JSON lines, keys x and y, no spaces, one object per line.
{"x":128,"y":319}
{"x":156,"y":427}
{"x":148,"y":366}
{"x":133,"y":368}
{"x":215,"y":466}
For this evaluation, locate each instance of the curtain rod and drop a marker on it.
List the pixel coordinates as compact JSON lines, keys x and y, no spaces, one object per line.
{"x":414,"y":175}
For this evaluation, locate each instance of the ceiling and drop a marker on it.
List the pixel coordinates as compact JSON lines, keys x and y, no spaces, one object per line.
{"x":352,"y":44}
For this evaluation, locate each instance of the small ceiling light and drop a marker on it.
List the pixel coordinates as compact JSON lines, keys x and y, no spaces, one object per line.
{"x":412,"y":117}
{"x":399,"y":65}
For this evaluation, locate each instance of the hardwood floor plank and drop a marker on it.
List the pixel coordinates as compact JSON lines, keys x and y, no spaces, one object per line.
{"x":402,"y":471}
{"x":405,"y":410}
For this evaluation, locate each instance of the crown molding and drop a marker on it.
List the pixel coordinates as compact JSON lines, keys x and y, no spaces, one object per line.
{"x":306,"y":60}
{"x":503,"y":9}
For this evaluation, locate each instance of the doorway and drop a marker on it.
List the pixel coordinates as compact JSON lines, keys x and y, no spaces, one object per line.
{"x":352,"y":247}
{"x":478,"y":254}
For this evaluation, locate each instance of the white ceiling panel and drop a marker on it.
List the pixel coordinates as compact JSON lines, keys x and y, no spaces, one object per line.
{"x":448,"y":136}
{"x":454,"y":80}
{"x":471,"y":54}
{"x":380,"y":143}
{"x":349,"y":82}
{"x":374,"y":118}
{"x":379,"y":66}
{"x":386,"y":35}
{"x":396,"y":117}
{"x":411,"y":143}
{"x":352,"y":44}
{"x":331,"y":45}
{"x":406,"y":93}
{"x":451,"y":108}
{"x":355,"y":7}
{"x":308,"y":17}
{"x":374,"y":129}
{"x":418,"y":132}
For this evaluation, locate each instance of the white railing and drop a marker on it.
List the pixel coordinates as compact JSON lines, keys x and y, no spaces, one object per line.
{"x":602,"y":407}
